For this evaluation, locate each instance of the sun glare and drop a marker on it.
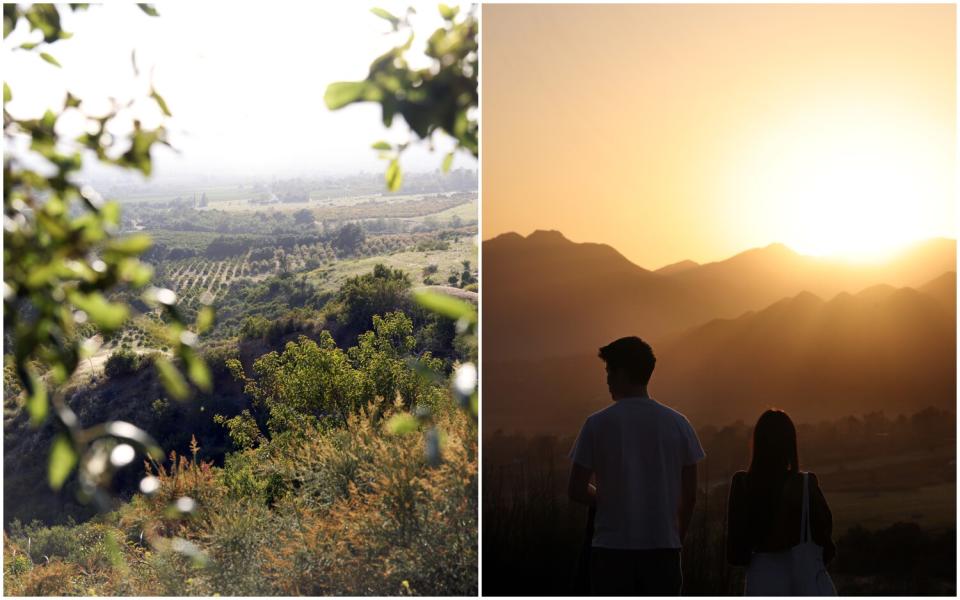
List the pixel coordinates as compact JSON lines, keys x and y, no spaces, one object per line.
{"x":854,"y":187}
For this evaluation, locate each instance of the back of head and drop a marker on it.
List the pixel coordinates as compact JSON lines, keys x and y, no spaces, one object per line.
{"x":774,"y":445}
{"x":632,"y":356}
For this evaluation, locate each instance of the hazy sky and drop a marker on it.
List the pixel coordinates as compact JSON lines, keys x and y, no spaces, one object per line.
{"x":697,"y":131}
{"x":245,"y":81}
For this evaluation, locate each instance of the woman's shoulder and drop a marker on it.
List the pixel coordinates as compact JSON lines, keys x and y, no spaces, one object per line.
{"x":739,"y":479}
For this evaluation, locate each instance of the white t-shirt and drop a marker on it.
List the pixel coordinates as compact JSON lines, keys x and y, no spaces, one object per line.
{"x":637,"y":448}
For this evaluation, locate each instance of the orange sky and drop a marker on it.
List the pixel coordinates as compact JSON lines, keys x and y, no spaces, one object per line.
{"x":697,"y":131}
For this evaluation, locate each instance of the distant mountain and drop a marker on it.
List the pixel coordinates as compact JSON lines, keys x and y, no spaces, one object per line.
{"x":758,"y":277}
{"x":944,"y":290}
{"x":546,"y":296}
{"x":677,"y":267}
{"x":882,"y":349}
{"x":732,"y":336}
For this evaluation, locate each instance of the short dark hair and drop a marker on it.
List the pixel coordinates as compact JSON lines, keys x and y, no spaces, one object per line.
{"x":631,"y":354}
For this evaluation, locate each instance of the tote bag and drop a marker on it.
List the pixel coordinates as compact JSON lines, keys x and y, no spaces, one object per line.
{"x":809,"y":576}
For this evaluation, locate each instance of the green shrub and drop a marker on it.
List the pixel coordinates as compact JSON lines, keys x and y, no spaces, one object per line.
{"x":122,"y":362}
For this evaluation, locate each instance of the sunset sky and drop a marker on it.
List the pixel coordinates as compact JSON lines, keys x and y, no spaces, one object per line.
{"x":678,"y":132}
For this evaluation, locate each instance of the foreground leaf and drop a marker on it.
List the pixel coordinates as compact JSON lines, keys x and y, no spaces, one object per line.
{"x":171,"y":379}
{"x":49,"y":58}
{"x":394,"y":176}
{"x":63,"y":458}
{"x":448,"y":306}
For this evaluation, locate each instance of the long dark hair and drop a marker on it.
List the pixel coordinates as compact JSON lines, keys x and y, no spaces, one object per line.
{"x":774,"y":459}
{"x":774,"y":446}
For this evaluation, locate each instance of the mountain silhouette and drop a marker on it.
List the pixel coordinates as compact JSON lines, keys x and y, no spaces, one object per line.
{"x":540,"y":292}
{"x":891,"y":349}
{"x":944,"y":290}
{"x":758,"y":277}
{"x":546,"y":295}
{"x":677,"y":267}
{"x":724,"y":351}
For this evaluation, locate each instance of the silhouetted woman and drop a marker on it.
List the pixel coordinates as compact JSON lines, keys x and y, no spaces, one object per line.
{"x":765,"y":511}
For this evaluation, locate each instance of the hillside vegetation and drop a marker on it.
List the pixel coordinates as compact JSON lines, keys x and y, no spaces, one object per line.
{"x":331,"y":458}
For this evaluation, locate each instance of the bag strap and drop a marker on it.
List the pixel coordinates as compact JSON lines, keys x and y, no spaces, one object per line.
{"x":805,"y":535}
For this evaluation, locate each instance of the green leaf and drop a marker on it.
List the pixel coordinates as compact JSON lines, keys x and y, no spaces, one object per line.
{"x":447,"y":162}
{"x":131,"y":245}
{"x":381,"y":145}
{"x":204,"y":319}
{"x":138,"y":274}
{"x":111,"y":212}
{"x":171,"y":379}
{"x":160,"y":102}
{"x":37,"y":402}
{"x":448,"y":306}
{"x":63,"y":458}
{"x":342,"y":93}
{"x":386,"y":15}
{"x":448,"y":13}
{"x":71,"y":101}
{"x":402,"y":423}
{"x":49,"y":119}
{"x":50,"y":59}
{"x":107,"y":315}
{"x":29,"y":45}
{"x":10,"y":16}
{"x":7,"y":94}
{"x":198,"y":372}
{"x":394,"y":176}
{"x":148,"y":9}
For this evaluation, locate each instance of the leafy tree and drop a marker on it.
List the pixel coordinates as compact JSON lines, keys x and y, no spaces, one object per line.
{"x":466,"y":277}
{"x":120,"y":363}
{"x":312,"y":381}
{"x":440,"y":97}
{"x":243,"y":428}
{"x":348,"y":239}
{"x":382,"y":354}
{"x":303,"y":217}
{"x":382,"y":291}
{"x":63,"y":261}
{"x":307,"y":382}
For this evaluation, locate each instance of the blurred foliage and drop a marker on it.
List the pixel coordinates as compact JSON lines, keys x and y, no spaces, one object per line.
{"x":440,"y":97}
{"x":347,"y":510}
{"x":64,"y":263}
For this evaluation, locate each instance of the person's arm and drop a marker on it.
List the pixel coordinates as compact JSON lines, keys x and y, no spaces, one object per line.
{"x":738,"y":545}
{"x":688,"y":497}
{"x":821,"y":520}
{"x":692,"y":454}
{"x":580,"y":489}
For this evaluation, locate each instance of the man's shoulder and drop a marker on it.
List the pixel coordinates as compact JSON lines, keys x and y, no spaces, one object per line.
{"x":672,"y":413}
{"x":603,"y":413}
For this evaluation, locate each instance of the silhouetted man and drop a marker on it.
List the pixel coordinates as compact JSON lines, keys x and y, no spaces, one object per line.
{"x":643,"y":458}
